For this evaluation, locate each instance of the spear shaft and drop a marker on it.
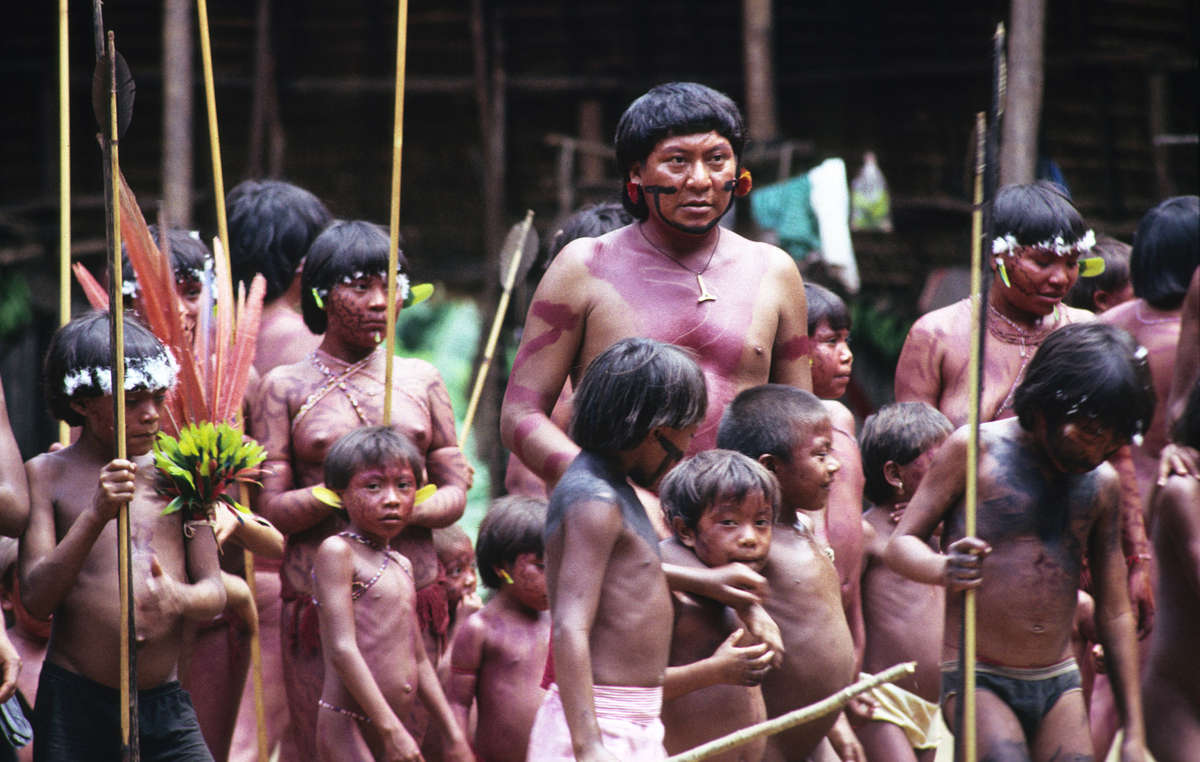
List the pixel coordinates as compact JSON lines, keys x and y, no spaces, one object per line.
{"x":112,"y":193}
{"x":64,"y":183}
{"x":394,"y":224}
{"x":214,"y":139}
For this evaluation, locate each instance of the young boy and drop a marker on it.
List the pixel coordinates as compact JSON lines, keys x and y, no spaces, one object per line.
{"x":375,"y":660}
{"x":721,"y":506}
{"x":1111,"y":287}
{"x":457,"y":558}
{"x":788,"y":431}
{"x":903,"y":618}
{"x":1046,"y":498}
{"x":1169,"y":686}
{"x":499,"y":654}
{"x":841,"y":524}
{"x":68,"y":557}
{"x":635,"y":413}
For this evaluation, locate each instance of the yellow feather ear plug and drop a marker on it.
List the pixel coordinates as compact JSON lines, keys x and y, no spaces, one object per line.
{"x":508,"y":580}
{"x":331,"y":498}
{"x":1090,"y":267}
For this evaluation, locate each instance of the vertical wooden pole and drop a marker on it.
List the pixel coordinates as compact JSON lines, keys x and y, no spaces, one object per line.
{"x":966,"y":729}
{"x":129,"y":732}
{"x":394,"y":225}
{"x":1026,"y":51}
{"x":64,"y":183}
{"x":178,"y":107}
{"x":214,"y":139}
{"x":759,"y":69}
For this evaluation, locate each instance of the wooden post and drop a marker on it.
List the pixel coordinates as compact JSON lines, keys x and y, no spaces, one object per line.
{"x":64,"y":184}
{"x":177,"y":110}
{"x":128,"y":669}
{"x":759,"y":64}
{"x":394,"y":227}
{"x":1018,"y":162}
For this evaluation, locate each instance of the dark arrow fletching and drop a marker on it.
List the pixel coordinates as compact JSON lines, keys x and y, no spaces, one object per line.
{"x":125,"y":94}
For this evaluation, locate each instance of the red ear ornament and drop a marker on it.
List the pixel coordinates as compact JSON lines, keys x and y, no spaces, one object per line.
{"x":744,"y":184}
{"x":634,"y":191}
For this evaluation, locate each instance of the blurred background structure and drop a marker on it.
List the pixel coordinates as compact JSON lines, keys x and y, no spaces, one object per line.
{"x":511,"y":105}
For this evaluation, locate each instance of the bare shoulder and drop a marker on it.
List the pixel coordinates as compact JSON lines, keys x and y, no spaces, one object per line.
{"x":571,"y":264}
{"x":840,"y":416}
{"x":1076,"y":315}
{"x":951,"y":320}
{"x":415,"y":368}
{"x":1177,"y":503}
{"x":283,"y":380}
{"x":334,"y":549}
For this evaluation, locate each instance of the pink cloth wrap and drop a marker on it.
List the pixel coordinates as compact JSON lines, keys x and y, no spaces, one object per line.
{"x":629,"y":720}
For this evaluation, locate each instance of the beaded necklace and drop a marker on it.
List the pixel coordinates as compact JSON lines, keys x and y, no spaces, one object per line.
{"x":338,"y":381}
{"x":1023,"y":338}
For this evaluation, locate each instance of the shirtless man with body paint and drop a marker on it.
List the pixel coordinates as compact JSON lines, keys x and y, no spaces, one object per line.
{"x":674,"y":276}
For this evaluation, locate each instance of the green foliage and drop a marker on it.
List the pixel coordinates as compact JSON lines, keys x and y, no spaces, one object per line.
{"x":16,"y":303}
{"x":196,"y":469}
{"x":445,"y":332}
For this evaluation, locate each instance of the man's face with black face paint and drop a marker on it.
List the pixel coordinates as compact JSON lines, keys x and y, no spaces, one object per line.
{"x":688,"y":180}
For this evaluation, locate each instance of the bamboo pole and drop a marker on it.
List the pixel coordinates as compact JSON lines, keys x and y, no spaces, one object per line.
{"x":214,"y":139}
{"x":129,"y":735}
{"x":64,"y":183}
{"x":967,"y":726}
{"x":795,"y":717}
{"x":394,"y":222}
{"x":497,"y":322}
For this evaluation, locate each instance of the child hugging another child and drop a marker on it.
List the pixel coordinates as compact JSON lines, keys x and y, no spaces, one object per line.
{"x":903,"y":617}
{"x":721,"y":506}
{"x":1047,"y":500}
{"x":635,"y":412}
{"x":68,"y":558}
{"x":788,"y":431}
{"x":499,"y":653}
{"x":375,"y":659}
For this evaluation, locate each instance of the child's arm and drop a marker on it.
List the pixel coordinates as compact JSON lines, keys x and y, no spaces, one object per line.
{"x":10,"y":662}
{"x":730,"y":664}
{"x":49,"y":568}
{"x":466,"y":658}
{"x":735,"y":585}
{"x":909,"y":554}
{"x":1115,"y":622}
{"x":446,"y":465}
{"x":333,"y":571}
{"x":577,"y":556}
{"x":291,"y":510}
{"x":14,"y":491}
{"x":429,"y":688}
{"x":250,"y":531}
{"x":199,"y":598}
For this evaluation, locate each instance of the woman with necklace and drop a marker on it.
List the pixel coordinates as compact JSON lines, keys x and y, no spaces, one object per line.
{"x":303,"y":408}
{"x":1040,"y":239}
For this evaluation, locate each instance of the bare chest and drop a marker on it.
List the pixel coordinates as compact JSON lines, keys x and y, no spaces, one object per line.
{"x":328,"y":411}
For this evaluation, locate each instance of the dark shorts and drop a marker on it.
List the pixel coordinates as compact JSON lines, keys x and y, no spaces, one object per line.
{"x":1030,"y":693}
{"x":79,"y":720}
